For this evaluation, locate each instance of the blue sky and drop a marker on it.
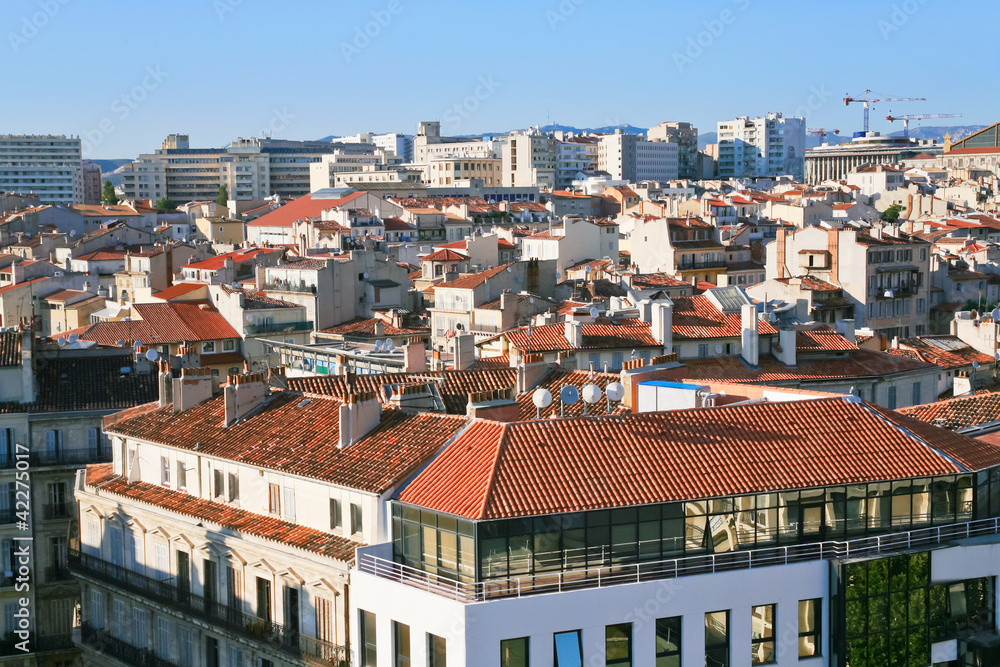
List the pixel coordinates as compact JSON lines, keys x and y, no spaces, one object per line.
{"x":125,"y":74}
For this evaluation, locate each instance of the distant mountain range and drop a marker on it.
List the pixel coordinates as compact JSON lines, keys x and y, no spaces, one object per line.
{"x":107,"y":166}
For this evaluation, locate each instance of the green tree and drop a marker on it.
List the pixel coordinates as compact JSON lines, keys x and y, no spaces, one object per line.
{"x":165,"y":204}
{"x":891,"y":214}
{"x":223,"y":197}
{"x":108,"y":196}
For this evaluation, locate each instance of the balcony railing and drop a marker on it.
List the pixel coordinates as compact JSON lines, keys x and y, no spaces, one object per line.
{"x":289,"y":287}
{"x":58,"y":510}
{"x":715,"y":264}
{"x":221,"y":615}
{"x":278,"y":327}
{"x":53,"y":643}
{"x":58,"y":573}
{"x":81,"y":456}
{"x":628,"y":573}
{"x":104,"y":642}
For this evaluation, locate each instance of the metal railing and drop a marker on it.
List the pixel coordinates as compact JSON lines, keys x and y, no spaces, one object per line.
{"x":276,"y":327}
{"x":53,"y":643}
{"x":106,"y":643}
{"x":80,"y":456}
{"x":625,"y":573}
{"x":58,"y":573}
{"x":289,"y":287}
{"x":58,"y":510}
{"x":217,"y":613}
{"x":714,"y":264}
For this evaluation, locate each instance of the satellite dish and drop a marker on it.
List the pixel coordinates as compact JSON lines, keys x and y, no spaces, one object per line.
{"x":531,"y":299}
{"x":73,"y":337}
{"x":365,"y":274}
{"x":615,"y":391}
{"x":592,"y":394}
{"x":975,"y":365}
{"x":152,"y":355}
{"x":558,"y":275}
{"x":388,"y":345}
{"x":718,"y":349}
{"x":121,"y":343}
{"x":772,"y":316}
{"x":569,"y":394}
{"x":61,"y":340}
{"x":236,"y":285}
{"x":587,"y":268}
{"x":542,"y":398}
{"x":137,"y":345}
{"x":594,"y":313}
{"x":509,"y":269}
{"x":249,"y":318}
{"x":995,"y":314}
{"x":378,"y":346}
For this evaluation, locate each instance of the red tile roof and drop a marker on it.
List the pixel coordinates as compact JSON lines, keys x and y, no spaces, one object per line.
{"x":99,"y":211}
{"x":362,"y":326}
{"x":973,"y":151}
{"x":455,"y":386}
{"x":556,"y":380}
{"x":299,"y":435}
{"x":161,"y":324}
{"x":180,"y":289}
{"x":948,"y":352}
{"x":102,"y":480}
{"x":811,"y":283}
{"x":215,"y":263}
{"x":397,"y":225}
{"x":472,"y":280}
{"x":101,"y":256}
{"x":300,"y":209}
{"x":958,"y":413}
{"x":445,"y":255}
{"x":602,"y":335}
{"x":496,"y":470}
{"x":822,"y":338}
{"x":697,"y":317}
{"x":10,"y":349}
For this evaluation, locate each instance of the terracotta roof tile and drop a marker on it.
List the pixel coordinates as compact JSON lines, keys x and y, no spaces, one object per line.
{"x":300,"y":209}
{"x":697,"y":317}
{"x":538,"y":467}
{"x":299,"y":435}
{"x":361,"y":326}
{"x":602,"y":335}
{"x":101,"y":479}
{"x":948,"y":352}
{"x":823,"y":338}
{"x":445,"y":255}
{"x":10,"y":349}
{"x":958,"y":413}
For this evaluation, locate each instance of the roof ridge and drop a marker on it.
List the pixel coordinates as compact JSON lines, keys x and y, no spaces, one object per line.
{"x":912,"y":435}
{"x":501,"y":448}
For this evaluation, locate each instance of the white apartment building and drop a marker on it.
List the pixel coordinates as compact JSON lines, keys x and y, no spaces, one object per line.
{"x":770,"y":145}
{"x":326,"y":172}
{"x":47,"y":165}
{"x":529,"y":159}
{"x":573,"y":156}
{"x":685,"y":135}
{"x":631,"y":158}
{"x":400,"y":144}
{"x":429,"y":144}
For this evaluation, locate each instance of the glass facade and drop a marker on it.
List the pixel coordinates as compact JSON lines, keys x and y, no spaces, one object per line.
{"x":892,"y":613}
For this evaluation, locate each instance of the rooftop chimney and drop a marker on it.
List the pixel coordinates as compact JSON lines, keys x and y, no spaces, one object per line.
{"x":379,"y":328}
{"x":846,"y":329}
{"x":193,"y":388}
{"x":786,"y":340}
{"x":359,"y":414}
{"x":662,"y":324}
{"x":465,"y":352}
{"x":414,"y":356}
{"x":164,"y":381}
{"x":750,"y":341}
{"x":574,"y":333}
{"x":244,"y":394}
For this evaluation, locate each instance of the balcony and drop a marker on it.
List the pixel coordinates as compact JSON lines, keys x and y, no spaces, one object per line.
{"x":290,"y":287}
{"x":58,"y":510}
{"x":58,"y":573}
{"x":278,"y":327}
{"x":102,"y":641}
{"x":688,"y":266}
{"x":229,"y":618}
{"x":638,"y":572}
{"x":75,"y":457}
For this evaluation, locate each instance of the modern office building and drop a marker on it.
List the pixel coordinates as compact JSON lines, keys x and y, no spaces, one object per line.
{"x":250,"y":168}
{"x":815,"y":532}
{"x":770,"y":145}
{"x":685,"y":135}
{"x":46,"y":165}
{"x":631,"y":158}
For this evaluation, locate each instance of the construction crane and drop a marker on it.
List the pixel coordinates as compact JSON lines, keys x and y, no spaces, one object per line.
{"x":867,"y":101}
{"x":918,"y":116}
{"x":821,"y":132}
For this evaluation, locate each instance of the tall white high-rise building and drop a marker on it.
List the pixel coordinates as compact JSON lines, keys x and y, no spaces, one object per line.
{"x":48,"y":165}
{"x":632,"y":158}
{"x":770,"y":145}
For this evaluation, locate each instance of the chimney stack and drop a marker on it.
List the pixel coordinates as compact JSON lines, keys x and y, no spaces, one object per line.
{"x":359,"y":414}
{"x":165,"y":381}
{"x":662,"y":325}
{"x":786,"y":340}
{"x":750,"y":340}
{"x":846,"y":329}
{"x":574,"y":333}
{"x":193,"y":388}
{"x":244,"y":394}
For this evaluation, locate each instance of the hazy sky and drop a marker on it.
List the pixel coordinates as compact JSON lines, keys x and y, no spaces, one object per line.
{"x":125,"y":74}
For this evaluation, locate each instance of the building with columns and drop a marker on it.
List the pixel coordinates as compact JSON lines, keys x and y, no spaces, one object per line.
{"x":833,"y":162}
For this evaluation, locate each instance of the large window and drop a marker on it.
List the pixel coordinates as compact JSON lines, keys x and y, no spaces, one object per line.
{"x":893,"y":613}
{"x":618,"y":645}
{"x":810,"y":628}
{"x":717,"y":639}
{"x":514,"y":652}
{"x":369,"y":641}
{"x":568,"y":649}
{"x":437,"y":651}
{"x":400,"y":644}
{"x":762,"y":622}
{"x":668,"y":642}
